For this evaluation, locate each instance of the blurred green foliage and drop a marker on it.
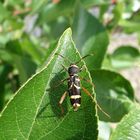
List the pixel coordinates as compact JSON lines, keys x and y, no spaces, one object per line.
{"x":30,"y":30}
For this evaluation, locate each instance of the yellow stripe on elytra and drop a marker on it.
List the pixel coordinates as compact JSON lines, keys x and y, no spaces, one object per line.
{"x":77,"y":86}
{"x":77,"y":79}
{"x":75,"y":96}
{"x":76,"y":105}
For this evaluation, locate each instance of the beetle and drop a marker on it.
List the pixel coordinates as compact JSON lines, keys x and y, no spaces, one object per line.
{"x":74,"y":86}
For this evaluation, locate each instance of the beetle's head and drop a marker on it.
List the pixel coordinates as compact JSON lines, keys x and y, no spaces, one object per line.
{"x":73,"y":69}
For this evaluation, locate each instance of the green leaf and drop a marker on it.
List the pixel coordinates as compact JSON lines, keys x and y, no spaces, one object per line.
{"x":107,"y":63}
{"x":114,"y":93}
{"x":12,"y":24}
{"x":14,"y":2}
{"x":22,"y":61}
{"x":135,"y":16}
{"x":26,"y":67}
{"x":5,"y":56}
{"x":34,"y":113}
{"x":48,"y":54}
{"x":32,"y":49}
{"x":89,"y":3}
{"x":125,"y":56}
{"x":36,"y":5}
{"x":90,"y":37}
{"x":52,"y":11}
{"x":103,"y":9}
{"x":129,"y":26}
{"x":117,"y":11}
{"x":129,"y":127}
{"x":4,"y":13}
{"x":56,"y":27}
{"x":5,"y":69}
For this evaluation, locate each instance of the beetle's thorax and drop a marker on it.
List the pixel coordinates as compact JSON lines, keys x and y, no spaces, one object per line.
{"x":73,"y":69}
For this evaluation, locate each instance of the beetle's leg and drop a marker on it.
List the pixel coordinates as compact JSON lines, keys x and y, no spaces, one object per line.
{"x":55,"y":86}
{"x":61,"y":101}
{"x":62,"y":81}
{"x":64,"y":68}
{"x":71,"y":85}
{"x":89,"y":94}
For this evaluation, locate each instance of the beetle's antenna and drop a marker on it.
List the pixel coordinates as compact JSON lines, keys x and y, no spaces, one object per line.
{"x":63,"y":57}
{"x":103,"y":110}
{"x":89,"y":94}
{"x":83,"y":58}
